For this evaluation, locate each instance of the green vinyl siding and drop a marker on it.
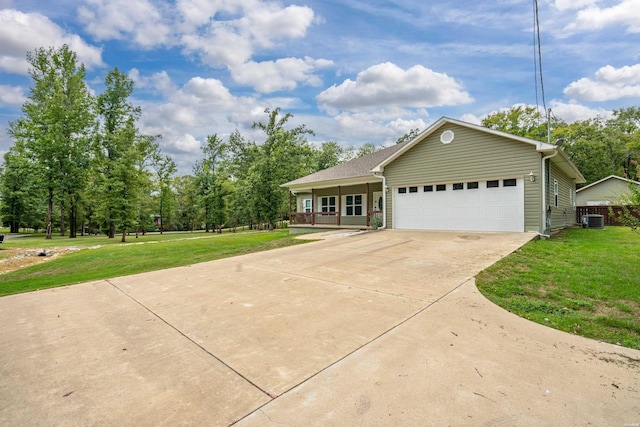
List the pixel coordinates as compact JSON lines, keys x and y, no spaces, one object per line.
{"x":471,"y":156}
{"x":613,"y":190}
{"x":343,"y":191}
{"x":563,"y":215}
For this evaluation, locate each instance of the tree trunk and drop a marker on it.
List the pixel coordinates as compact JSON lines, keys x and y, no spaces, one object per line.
{"x":73,"y":219}
{"x":62,"y":224}
{"x":124,"y":234}
{"x":49,"y":213}
{"x":161,"y":226}
{"x":112,"y":229}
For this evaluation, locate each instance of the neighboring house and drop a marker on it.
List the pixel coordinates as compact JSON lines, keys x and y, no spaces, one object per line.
{"x":612,"y":190}
{"x":452,"y":176}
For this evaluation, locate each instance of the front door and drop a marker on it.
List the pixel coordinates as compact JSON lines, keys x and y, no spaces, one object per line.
{"x":377,"y":200}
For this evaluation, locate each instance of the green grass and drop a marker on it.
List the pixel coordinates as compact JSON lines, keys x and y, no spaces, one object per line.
{"x":114,"y":259}
{"x":582,"y":281}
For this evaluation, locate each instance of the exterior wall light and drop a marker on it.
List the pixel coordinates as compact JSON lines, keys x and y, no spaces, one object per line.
{"x":532,"y":177}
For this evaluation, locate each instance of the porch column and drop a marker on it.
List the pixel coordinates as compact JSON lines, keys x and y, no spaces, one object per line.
{"x":313,"y":207}
{"x":339,"y":202}
{"x":290,"y":211}
{"x":366,"y":204}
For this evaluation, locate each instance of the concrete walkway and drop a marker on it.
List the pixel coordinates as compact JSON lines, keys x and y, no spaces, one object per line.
{"x":381,"y":328}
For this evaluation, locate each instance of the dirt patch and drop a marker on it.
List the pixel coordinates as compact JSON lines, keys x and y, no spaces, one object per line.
{"x":17,"y":258}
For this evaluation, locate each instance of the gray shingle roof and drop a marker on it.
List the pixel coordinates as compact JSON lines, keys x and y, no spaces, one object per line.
{"x":360,"y":167}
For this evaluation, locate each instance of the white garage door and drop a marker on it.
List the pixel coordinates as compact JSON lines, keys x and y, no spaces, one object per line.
{"x":496,"y":205}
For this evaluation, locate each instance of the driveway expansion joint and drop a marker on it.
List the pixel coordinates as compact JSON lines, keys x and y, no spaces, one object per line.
{"x":170,"y":325}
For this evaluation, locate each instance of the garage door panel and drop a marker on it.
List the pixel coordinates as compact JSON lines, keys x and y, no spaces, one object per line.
{"x":480,"y":209}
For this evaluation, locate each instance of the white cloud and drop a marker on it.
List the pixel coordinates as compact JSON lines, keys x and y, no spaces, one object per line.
{"x":196,"y":13}
{"x":626,"y":14}
{"x":159,"y":81}
{"x":140,"y":20}
{"x":563,"y":5}
{"x":187,"y":143}
{"x":12,"y":95}
{"x":266,"y":21}
{"x":387,"y":85}
{"x":572,"y":112}
{"x":609,"y":84}
{"x":221,"y":33}
{"x":471,"y":118}
{"x":281,"y":74}
{"x":188,"y":113}
{"x":253,"y":25}
{"x":17,"y":36}
{"x":401,"y":126}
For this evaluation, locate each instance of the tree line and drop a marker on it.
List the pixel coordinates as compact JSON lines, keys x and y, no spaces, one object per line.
{"x":598,"y":147}
{"x":80,"y":163}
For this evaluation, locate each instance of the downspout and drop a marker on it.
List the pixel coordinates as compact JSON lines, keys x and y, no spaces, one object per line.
{"x":544,"y":194}
{"x":544,"y":178}
{"x":384,"y":198}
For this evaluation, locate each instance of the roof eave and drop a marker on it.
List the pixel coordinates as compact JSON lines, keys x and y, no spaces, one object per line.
{"x":540,"y":146}
{"x":331,"y":183}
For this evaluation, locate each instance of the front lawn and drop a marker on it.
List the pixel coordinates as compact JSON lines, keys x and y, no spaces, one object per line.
{"x":113,"y":260}
{"x":582,"y":281}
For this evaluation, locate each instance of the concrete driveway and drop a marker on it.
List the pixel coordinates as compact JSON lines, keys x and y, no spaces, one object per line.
{"x":383,"y":328}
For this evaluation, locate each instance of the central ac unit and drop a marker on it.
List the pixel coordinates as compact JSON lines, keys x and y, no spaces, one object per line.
{"x":592,"y":221}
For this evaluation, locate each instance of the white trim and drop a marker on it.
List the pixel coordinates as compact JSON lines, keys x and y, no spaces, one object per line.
{"x":345,"y":206}
{"x":540,"y":146}
{"x":605,"y":179}
{"x":335,"y":205}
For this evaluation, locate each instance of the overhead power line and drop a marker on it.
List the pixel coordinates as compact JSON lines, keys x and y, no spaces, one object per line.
{"x":537,"y":56}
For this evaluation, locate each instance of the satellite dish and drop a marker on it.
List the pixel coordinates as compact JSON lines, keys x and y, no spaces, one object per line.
{"x":447,"y":137}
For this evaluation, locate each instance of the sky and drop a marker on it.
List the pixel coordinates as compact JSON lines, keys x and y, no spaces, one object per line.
{"x":353,"y":71}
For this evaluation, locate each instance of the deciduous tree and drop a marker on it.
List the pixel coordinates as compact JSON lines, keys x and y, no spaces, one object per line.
{"x":56,"y":126}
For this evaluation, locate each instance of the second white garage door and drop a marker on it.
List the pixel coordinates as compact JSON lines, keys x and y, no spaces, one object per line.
{"x":496,"y":205}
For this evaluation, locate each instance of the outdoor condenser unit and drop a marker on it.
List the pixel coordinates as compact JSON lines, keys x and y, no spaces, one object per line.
{"x":592,"y":221}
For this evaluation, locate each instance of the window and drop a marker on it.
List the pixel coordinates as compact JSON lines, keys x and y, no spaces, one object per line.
{"x":555,"y":193}
{"x":509,"y":182}
{"x":328,"y":204}
{"x":353,"y":205}
{"x":472,"y":185}
{"x":428,"y":188}
{"x":402,"y":190}
{"x":458,"y":186}
{"x":493,"y":184}
{"x":413,"y":189}
{"x":572,"y":198}
{"x":306,"y":205}
{"x":441,"y":187}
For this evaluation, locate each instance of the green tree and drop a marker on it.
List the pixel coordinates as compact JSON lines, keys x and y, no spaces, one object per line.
{"x":408,"y":136}
{"x":242,"y":155}
{"x":56,"y":126}
{"x":525,"y":121}
{"x":165,"y":169}
{"x":114,"y":147}
{"x":210,"y":176}
{"x":21,"y":195}
{"x":366,"y":149}
{"x":190,"y":214}
{"x":330,"y":154}
{"x":121,"y":153}
{"x":629,"y":216}
{"x":625,"y":129}
{"x":284,"y":156}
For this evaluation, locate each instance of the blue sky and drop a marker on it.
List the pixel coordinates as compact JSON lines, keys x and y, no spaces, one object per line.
{"x":354,"y":71}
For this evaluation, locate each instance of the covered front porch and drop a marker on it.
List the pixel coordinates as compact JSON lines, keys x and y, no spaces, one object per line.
{"x":350,"y":206}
